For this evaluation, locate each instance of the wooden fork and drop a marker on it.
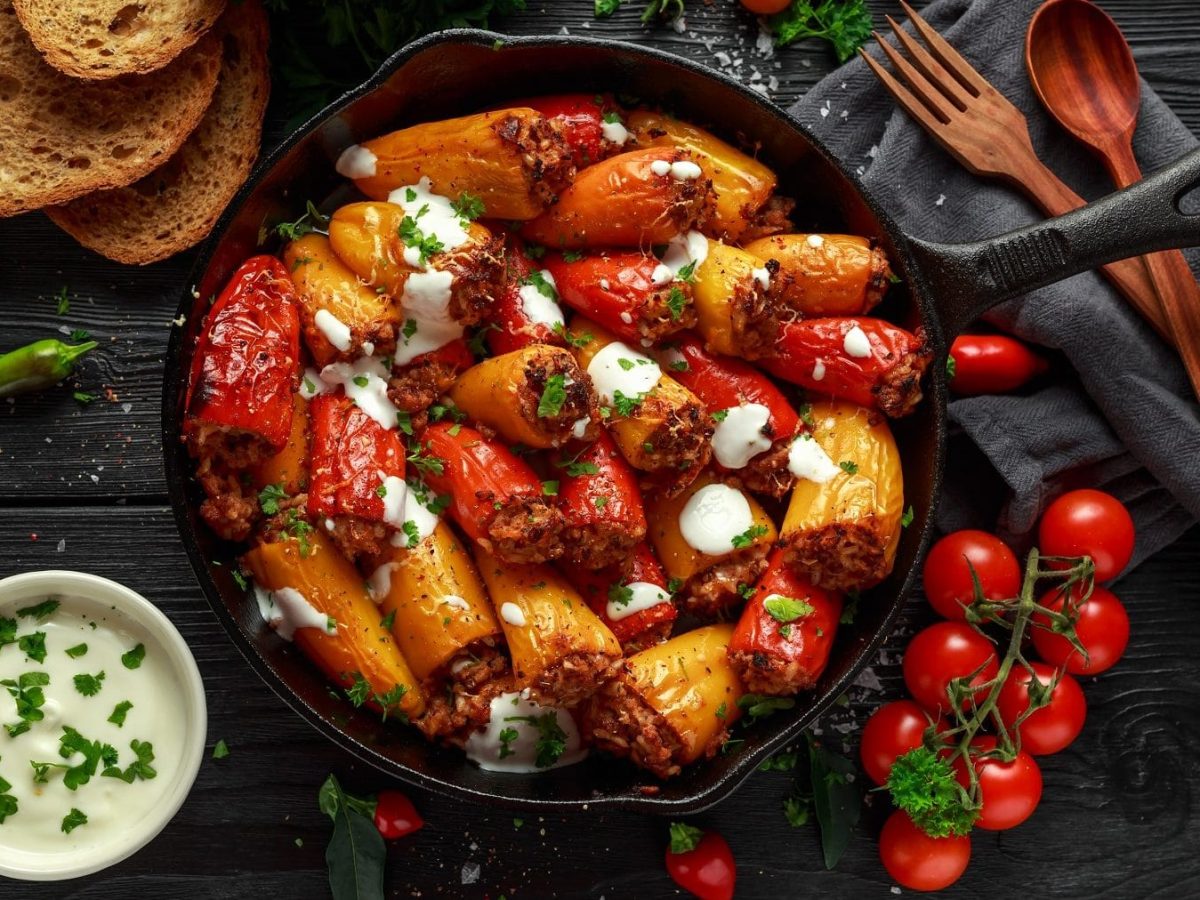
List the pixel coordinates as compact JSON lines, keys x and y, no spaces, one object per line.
{"x":989,"y":136}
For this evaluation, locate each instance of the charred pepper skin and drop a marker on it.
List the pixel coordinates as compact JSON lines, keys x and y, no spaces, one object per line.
{"x":247,"y":360}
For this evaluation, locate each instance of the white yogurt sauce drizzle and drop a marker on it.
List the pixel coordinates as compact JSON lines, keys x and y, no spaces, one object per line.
{"x":713,"y":517}
{"x":738,"y":438}
{"x":807,"y":459}
{"x":311,"y":384}
{"x":644,"y":595}
{"x":508,"y":712}
{"x":395,"y":499}
{"x":763,"y":277}
{"x":815,"y":241}
{"x":356,"y":161}
{"x":287,"y":610}
{"x":684,"y":249}
{"x":416,"y":511}
{"x":427,"y":337}
{"x":379,"y":585}
{"x":856,"y":344}
{"x":334,"y":329}
{"x":818,"y":372}
{"x":614,"y":132}
{"x":618,"y":367}
{"x":365,"y":381}
{"x":538,"y":308}
{"x":512,"y":614}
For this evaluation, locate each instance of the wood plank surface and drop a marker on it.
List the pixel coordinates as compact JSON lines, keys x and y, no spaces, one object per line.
{"x":1118,"y":818}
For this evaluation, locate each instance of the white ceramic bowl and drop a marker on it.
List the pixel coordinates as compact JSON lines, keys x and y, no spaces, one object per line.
{"x":161,"y":637}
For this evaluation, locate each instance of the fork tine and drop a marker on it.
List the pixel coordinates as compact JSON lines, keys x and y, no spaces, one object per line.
{"x":949,"y":57}
{"x":903,"y":96}
{"x":933,"y":70}
{"x":917,"y":83}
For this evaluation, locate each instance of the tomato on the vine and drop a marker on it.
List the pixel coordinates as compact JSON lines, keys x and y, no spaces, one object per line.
{"x":1102,"y":628}
{"x":707,"y":869}
{"x":1052,"y":727}
{"x":942,"y":652}
{"x":920,"y":862}
{"x":395,"y":815}
{"x":893,"y":730}
{"x":1089,"y":523}
{"x":1009,"y":792}
{"x":947,"y":575}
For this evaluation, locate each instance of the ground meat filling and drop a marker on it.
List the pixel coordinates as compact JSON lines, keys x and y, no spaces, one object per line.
{"x":690,"y":203}
{"x":680,"y":445}
{"x":231,"y":509}
{"x":712,"y":591}
{"x":899,"y":391}
{"x":572,"y":678}
{"x":459,"y":699}
{"x":478,"y":270}
{"x":597,"y":545}
{"x":356,"y":536}
{"x":526,"y":530}
{"x":545,"y":154}
{"x":768,"y":473}
{"x":415,"y":387}
{"x":754,"y":315}
{"x":773,"y":217}
{"x":579,"y":403}
{"x":232,"y":447}
{"x":763,"y":674}
{"x":880,"y":276}
{"x":666,"y":310}
{"x":619,"y":721}
{"x":840,"y":555}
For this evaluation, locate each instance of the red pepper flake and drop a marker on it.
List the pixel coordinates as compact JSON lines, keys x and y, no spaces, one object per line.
{"x":33,"y":537}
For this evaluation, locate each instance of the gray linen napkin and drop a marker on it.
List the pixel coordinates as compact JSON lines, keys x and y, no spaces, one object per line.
{"x":1119,"y":414}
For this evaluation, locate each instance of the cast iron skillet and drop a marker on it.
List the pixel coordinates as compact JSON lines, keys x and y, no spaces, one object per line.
{"x":943,"y":288}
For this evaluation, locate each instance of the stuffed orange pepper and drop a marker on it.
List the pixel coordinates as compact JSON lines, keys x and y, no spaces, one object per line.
{"x":513,"y":162}
{"x":827,"y":274}
{"x":311,"y":594}
{"x":783,"y":638}
{"x":631,"y":200}
{"x":495,"y":497}
{"x":560,"y":649}
{"x":842,"y":525}
{"x":415,"y":385}
{"x":537,"y":396}
{"x":714,"y":539}
{"x":671,"y":705}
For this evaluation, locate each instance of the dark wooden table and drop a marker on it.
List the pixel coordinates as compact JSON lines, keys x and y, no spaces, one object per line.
{"x":82,"y":488}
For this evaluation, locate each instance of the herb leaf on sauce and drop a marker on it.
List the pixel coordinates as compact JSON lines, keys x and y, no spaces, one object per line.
{"x":133,"y":659}
{"x":119,"y":712}
{"x":40,"y":611}
{"x":73,"y":820}
{"x":89,"y":685}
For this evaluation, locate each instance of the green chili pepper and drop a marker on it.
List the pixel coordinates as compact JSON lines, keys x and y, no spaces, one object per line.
{"x":39,"y":365}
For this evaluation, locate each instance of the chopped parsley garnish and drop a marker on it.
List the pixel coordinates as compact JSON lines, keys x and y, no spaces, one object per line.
{"x":80,"y":334}
{"x":83,"y":398}
{"x":507,"y":736}
{"x":907,"y":518}
{"x":426,"y":244}
{"x":544,"y":287}
{"x":758,"y":706}
{"x":849,"y":467}
{"x":411,"y":532}
{"x":306,"y":224}
{"x":806,"y":416}
{"x":749,"y":536}
{"x":612,"y":117}
{"x":409,"y":329}
{"x":300,"y":529}
{"x":240,"y":579}
{"x":39,"y":611}
{"x":573,"y":340}
{"x":787,"y":609}
{"x":625,"y":406}
{"x":64,"y":302}
{"x":360,"y":381}
{"x":550,"y":488}
{"x":600,"y":502}
{"x":89,"y":685}
{"x":439,"y":411}
{"x":41,"y":770}
{"x":745,"y":591}
{"x":8,"y":631}
{"x":687,"y":273}
{"x":850,"y":609}
{"x":133,"y":659}
{"x":93,"y":752}
{"x":427,"y":464}
{"x":381,"y":491}
{"x":387,"y":621}
{"x":360,"y":691}
{"x":391,"y":699}
{"x":220,"y":749}
{"x":674,"y":585}
{"x":552,"y":740}
{"x":34,"y":645}
{"x":73,"y":820}
{"x":554,"y":395}
{"x":626,"y":364}
{"x":574,"y":468}
{"x":620,"y":594}
{"x":684,"y":837}
{"x":722,"y":710}
{"x":534,"y":251}
{"x":140,"y":768}
{"x":780,"y":762}
{"x":678,"y":365}
{"x":404,"y":422}
{"x":269,"y":497}
{"x":120,"y":711}
{"x":77,"y":651}
{"x":676,"y":302}
{"x":572,"y":255}
{"x":26,"y":690}
{"x":720,"y":415}
{"x":951,"y":366}
{"x":468,"y":206}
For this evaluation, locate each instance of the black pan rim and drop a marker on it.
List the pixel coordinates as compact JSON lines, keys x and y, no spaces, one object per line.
{"x":176,"y":474}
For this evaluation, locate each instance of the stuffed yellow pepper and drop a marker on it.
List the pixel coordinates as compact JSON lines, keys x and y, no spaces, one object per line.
{"x":735,"y":296}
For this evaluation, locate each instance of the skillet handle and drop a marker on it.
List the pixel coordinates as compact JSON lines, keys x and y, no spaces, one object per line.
{"x":969,"y":279}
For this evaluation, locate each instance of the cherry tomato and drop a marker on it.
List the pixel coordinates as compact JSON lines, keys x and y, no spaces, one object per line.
{"x":942,"y":652}
{"x":707,"y":871}
{"x":992,"y":364}
{"x":920,"y":862}
{"x":395,"y":816}
{"x":947,"y":574}
{"x":1009,"y":791}
{"x":766,"y":7}
{"x":1089,"y":523}
{"x":1052,"y":727}
{"x":1102,"y":628}
{"x":893,"y":730}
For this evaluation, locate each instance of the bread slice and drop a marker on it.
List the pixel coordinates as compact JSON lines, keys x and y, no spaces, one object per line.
{"x":174,"y":207}
{"x":107,"y":38}
{"x":61,"y":138}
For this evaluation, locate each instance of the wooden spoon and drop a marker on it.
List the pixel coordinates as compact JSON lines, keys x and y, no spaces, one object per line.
{"x":1084,"y":73}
